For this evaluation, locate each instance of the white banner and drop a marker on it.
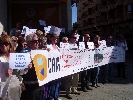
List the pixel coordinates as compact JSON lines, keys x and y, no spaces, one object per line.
{"x":54,"y":64}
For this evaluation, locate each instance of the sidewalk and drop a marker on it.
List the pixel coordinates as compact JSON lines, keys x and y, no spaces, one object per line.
{"x":117,"y":90}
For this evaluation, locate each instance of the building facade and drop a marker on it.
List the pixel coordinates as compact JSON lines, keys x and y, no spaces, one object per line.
{"x":54,"y":12}
{"x":106,"y":16}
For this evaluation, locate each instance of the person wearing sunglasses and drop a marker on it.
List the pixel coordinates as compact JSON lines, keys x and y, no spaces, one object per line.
{"x":7,"y":75}
{"x":14,"y":42}
{"x":71,"y":83}
{"x":54,"y":86}
{"x":30,"y":79}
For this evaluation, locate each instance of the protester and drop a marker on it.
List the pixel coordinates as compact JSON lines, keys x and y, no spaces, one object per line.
{"x":108,"y":67}
{"x":4,"y":33}
{"x":54,"y":86}
{"x":30,"y":79}
{"x":73,"y":86}
{"x":17,"y":29}
{"x":95,"y":70}
{"x":14,"y":42}
{"x":7,"y":74}
{"x":65,"y":40}
{"x":121,"y":65}
{"x":42,"y":42}
{"x":85,"y":75}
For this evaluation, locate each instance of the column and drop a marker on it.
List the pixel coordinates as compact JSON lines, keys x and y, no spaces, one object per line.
{"x":3,"y":15}
{"x":69,"y":15}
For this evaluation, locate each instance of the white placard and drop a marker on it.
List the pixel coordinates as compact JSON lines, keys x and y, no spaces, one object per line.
{"x":64,"y":45}
{"x":90,"y":45}
{"x":19,"y":60}
{"x":81,"y":45}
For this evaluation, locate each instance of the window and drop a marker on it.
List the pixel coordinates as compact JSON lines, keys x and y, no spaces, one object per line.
{"x":98,"y":7}
{"x":129,"y":8}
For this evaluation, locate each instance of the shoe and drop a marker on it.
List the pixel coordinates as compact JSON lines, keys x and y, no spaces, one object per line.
{"x":69,"y":96}
{"x":89,"y":88}
{"x":84,"y":90}
{"x":58,"y":99}
{"x":94,"y":85}
{"x":74,"y":91}
{"x":78,"y":93}
{"x":97,"y":85}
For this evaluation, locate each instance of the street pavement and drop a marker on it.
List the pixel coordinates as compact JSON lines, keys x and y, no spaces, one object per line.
{"x":117,"y":90}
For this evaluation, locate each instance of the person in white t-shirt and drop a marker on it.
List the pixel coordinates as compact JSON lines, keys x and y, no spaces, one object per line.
{"x":121,"y":65}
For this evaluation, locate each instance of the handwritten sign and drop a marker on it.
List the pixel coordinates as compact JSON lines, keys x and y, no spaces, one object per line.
{"x":90,"y":45}
{"x":19,"y":60}
{"x":64,"y":45}
{"x":81,"y":45}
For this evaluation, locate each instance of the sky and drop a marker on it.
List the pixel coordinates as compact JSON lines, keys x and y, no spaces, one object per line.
{"x":74,"y":14}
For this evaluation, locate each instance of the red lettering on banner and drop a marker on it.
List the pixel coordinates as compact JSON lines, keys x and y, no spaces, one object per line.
{"x":66,"y":61}
{"x":69,"y":56}
{"x":67,"y":66}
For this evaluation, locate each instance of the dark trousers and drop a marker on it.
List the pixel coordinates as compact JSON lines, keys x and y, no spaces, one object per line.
{"x":30,"y":92}
{"x":54,"y":89}
{"x":85,"y":78}
{"x":121,"y":69}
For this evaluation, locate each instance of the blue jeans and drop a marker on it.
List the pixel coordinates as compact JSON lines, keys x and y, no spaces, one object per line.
{"x":95,"y":75}
{"x":54,"y":89}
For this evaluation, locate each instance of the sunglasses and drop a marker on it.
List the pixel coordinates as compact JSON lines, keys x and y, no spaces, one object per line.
{"x":5,"y":43}
{"x":34,"y":41}
{"x":14,"y":40}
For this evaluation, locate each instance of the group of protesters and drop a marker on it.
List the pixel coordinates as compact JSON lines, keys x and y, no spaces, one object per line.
{"x":24,"y":83}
